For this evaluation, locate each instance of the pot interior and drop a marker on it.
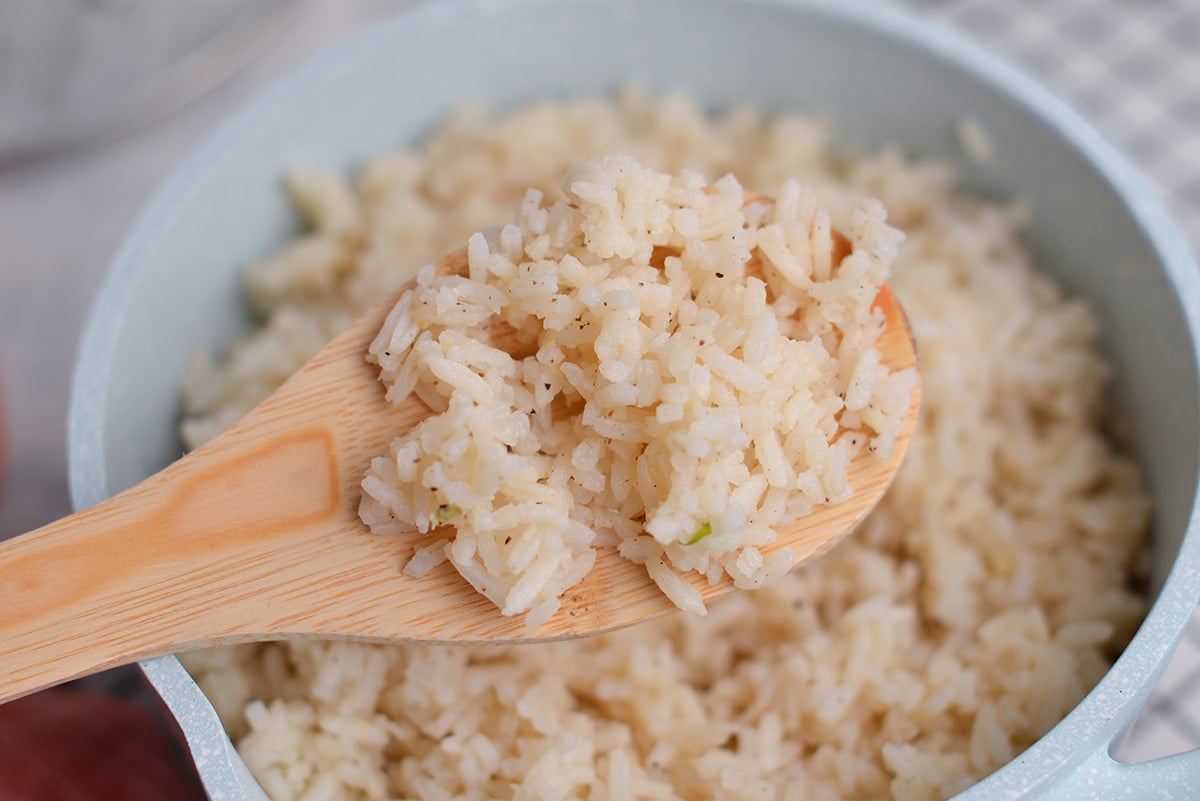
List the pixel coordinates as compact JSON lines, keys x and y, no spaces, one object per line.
{"x":179,"y":278}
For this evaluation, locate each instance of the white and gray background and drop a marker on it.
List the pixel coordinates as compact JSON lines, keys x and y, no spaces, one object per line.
{"x":100,"y":98}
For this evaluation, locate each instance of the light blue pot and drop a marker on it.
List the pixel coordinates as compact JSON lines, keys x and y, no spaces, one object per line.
{"x":881,"y":76}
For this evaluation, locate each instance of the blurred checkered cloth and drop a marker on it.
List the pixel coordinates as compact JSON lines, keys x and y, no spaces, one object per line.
{"x":1132,"y":67}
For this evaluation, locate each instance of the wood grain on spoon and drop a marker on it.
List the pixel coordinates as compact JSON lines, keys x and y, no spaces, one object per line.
{"x":256,"y":536}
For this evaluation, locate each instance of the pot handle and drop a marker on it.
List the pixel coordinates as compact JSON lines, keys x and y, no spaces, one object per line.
{"x":1098,"y":777}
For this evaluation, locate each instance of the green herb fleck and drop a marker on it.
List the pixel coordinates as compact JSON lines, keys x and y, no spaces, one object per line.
{"x":700,"y":534}
{"x":447,"y":514}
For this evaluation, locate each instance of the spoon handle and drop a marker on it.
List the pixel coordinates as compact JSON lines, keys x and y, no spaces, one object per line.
{"x":172,"y":563}
{"x":254,"y":535}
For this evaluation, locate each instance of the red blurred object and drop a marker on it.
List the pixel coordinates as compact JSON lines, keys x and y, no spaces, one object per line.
{"x":80,"y":745}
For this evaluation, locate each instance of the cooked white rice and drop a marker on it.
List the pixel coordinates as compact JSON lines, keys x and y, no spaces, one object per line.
{"x":699,"y":371}
{"x":971,"y":611}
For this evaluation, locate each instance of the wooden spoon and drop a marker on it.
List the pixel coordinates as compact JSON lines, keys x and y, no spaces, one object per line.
{"x":256,"y":536}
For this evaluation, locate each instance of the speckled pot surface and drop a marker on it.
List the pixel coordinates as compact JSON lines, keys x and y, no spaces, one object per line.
{"x":879,"y":75}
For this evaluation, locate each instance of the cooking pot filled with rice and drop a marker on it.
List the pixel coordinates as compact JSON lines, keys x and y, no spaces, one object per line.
{"x":988,"y":632}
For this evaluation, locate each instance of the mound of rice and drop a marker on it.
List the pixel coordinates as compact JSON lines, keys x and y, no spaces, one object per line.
{"x":974,"y":608}
{"x":673,"y":405}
